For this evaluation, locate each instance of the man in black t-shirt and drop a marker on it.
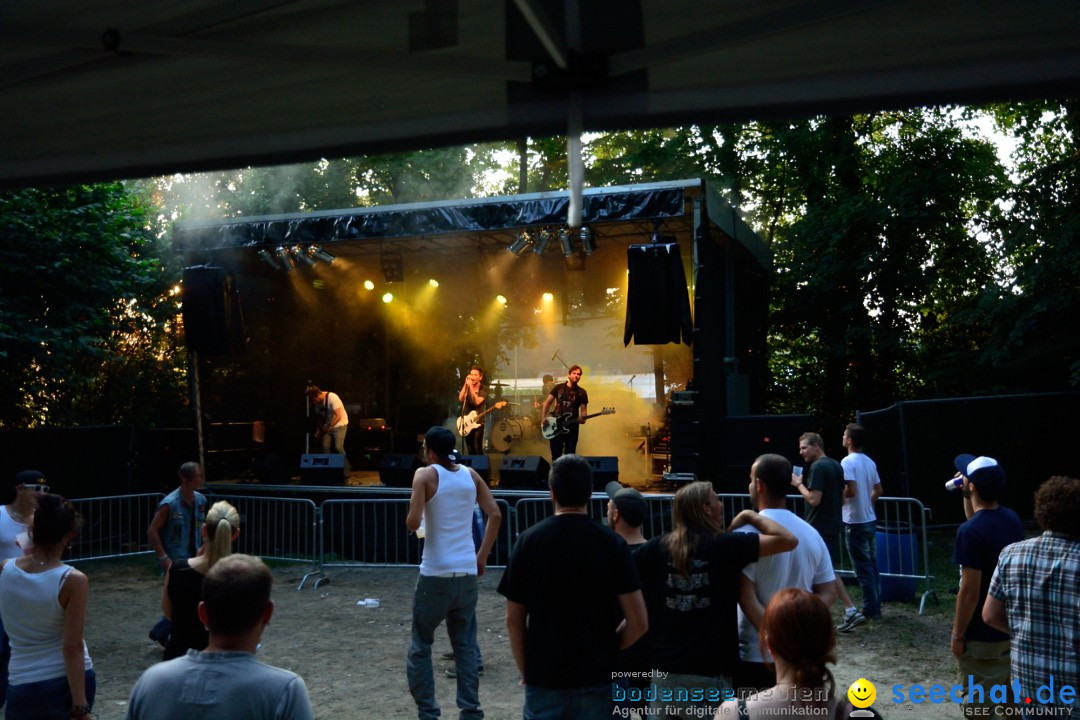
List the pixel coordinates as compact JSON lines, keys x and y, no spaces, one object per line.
{"x":982,"y":652}
{"x":567,"y":398}
{"x":569,"y":582}
{"x":824,"y":495}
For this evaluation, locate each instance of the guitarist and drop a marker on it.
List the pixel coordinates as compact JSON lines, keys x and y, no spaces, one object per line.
{"x":472,"y":396}
{"x":567,"y":397}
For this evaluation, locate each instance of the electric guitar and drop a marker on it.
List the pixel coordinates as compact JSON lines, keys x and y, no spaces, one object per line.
{"x":467,"y":423}
{"x":560,"y":425}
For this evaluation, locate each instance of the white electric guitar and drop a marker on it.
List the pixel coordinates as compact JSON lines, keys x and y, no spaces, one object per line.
{"x":467,"y":423}
{"x":560,"y":425}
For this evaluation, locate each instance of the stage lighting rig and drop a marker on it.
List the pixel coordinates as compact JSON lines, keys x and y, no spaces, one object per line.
{"x":319,"y":254}
{"x":543,"y":240}
{"x":285,"y":258}
{"x":302,"y":256}
{"x":518,"y":246}
{"x":267,"y":258}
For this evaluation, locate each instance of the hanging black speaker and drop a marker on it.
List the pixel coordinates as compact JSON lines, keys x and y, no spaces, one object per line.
{"x":658,"y":302}
{"x":213,"y":323}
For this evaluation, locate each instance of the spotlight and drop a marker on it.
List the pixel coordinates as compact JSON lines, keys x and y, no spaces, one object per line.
{"x":368,"y":285}
{"x":388,"y":298}
{"x":433,"y":282}
{"x":548,"y":297}
{"x":393,"y":267}
{"x":299,"y":254}
{"x":588,"y":240}
{"x":319,"y":254}
{"x":542,"y":242}
{"x":501,"y":299}
{"x":287,"y":261}
{"x":566,"y":239}
{"x":519,"y":245}
{"x":267,"y":258}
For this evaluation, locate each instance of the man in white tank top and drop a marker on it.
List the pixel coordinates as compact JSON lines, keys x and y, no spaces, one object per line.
{"x":443,"y":496}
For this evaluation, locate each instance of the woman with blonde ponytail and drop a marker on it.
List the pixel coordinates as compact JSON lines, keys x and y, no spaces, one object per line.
{"x":184,"y":580}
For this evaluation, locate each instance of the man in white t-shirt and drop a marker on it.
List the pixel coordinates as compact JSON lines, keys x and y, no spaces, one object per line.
{"x":333,"y":421}
{"x":807,"y":567}
{"x":862,"y":488}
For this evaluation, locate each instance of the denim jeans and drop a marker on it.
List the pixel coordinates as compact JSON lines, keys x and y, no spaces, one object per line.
{"x":862,"y":546}
{"x":584,"y":703}
{"x":333,"y":441}
{"x":454,"y":600}
{"x":45,"y":700}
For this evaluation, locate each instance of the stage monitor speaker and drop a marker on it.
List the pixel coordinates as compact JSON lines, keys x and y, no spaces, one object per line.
{"x":322,"y":469}
{"x":213,"y":323}
{"x":480,"y":463}
{"x":529,"y":472}
{"x":604,"y":470}
{"x":397,"y":469}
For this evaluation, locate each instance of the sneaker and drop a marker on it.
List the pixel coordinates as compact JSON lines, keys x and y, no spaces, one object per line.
{"x":452,"y":671}
{"x":448,"y":655}
{"x":851,"y":621}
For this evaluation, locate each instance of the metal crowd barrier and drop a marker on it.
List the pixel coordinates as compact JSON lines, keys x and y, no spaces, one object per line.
{"x":365,"y":533}
{"x":529,"y":511}
{"x":371,"y":532}
{"x":114,"y":526}
{"x":277,"y":528}
{"x":903,"y":522}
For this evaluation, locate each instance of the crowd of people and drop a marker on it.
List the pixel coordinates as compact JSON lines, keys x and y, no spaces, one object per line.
{"x":715,"y":618}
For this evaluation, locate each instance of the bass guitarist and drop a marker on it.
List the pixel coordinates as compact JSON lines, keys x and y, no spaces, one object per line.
{"x":472,"y":397}
{"x":567,"y":397}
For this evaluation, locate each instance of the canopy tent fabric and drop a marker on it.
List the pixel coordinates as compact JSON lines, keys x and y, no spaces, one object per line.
{"x":113,"y":88}
{"x":496,"y":215}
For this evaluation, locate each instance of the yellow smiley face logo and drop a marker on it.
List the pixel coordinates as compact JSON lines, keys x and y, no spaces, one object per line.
{"x":862,"y":693}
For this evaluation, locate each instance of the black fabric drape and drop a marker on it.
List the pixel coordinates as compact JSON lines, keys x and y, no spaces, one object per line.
{"x":658,"y":303}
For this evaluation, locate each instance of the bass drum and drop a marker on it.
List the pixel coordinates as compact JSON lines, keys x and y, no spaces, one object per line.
{"x":505,"y":432}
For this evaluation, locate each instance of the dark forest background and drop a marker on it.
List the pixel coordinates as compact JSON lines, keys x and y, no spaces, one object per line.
{"x":925,"y":253}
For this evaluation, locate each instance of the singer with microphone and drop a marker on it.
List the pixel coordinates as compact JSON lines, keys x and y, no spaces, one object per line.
{"x":473,"y":397}
{"x":981,"y":651}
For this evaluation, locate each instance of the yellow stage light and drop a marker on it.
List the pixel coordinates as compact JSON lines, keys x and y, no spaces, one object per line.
{"x":548,"y":297}
{"x":501,"y":299}
{"x":368,"y":285}
{"x":388,"y":298}
{"x":433,"y":282}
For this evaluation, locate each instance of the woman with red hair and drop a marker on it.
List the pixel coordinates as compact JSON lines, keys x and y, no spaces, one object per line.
{"x":798,"y":631}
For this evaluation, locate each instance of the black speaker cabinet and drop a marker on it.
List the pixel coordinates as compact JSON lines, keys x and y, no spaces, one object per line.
{"x":322,"y":469}
{"x":213,"y":323}
{"x":480,"y":463}
{"x":397,"y":469}
{"x":604,"y":470}
{"x":529,"y":472}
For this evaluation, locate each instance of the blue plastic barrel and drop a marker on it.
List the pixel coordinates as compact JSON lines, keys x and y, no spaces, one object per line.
{"x":897,"y":552}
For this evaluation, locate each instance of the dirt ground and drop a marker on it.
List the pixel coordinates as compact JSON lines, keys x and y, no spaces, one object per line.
{"x":353,"y":657}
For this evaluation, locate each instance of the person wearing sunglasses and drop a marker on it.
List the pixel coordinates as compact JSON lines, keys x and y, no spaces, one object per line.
{"x":16,"y":518}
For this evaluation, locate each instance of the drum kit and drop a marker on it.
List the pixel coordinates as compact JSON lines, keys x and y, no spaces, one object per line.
{"x":512,"y":427}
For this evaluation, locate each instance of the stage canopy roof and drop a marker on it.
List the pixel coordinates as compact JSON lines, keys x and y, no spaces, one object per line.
{"x":621,"y":215}
{"x":115,"y":88}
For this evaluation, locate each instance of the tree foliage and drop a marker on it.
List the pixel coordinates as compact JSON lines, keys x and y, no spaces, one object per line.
{"x":909,"y":260}
{"x":86,"y":319}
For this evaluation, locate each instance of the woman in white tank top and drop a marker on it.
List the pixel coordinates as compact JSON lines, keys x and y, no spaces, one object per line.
{"x":43,"y":603}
